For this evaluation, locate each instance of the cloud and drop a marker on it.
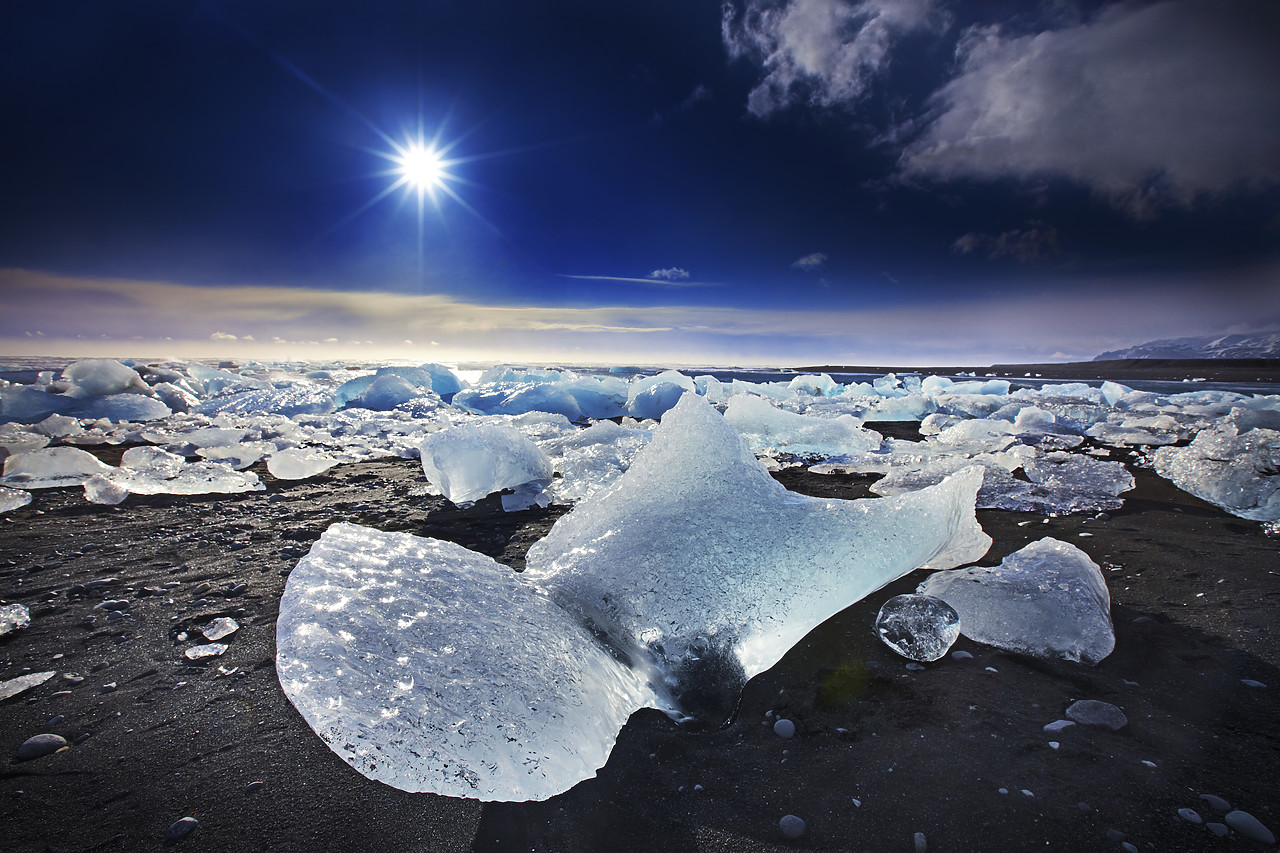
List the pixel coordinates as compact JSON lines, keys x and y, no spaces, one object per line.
{"x":223,"y":336}
{"x":699,"y":94}
{"x":809,"y":263}
{"x":657,"y":278}
{"x":1035,"y":242}
{"x":1149,"y":105}
{"x":670,"y":274}
{"x":822,"y":52}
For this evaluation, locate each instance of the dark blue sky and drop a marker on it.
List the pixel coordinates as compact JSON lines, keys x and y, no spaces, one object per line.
{"x":771,"y":155}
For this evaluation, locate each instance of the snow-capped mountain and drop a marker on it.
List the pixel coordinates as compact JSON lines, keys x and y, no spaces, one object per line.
{"x":1253,"y":345}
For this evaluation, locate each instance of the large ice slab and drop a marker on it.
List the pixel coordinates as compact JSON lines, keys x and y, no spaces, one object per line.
{"x":97,"y":377}
{"x":1238,"y":471}
{"x":470,"y":461}
{"x":432,"y":668}
{"x":696,"y":557}
{"x":1048,"y":599}
{"x":52,"y":467}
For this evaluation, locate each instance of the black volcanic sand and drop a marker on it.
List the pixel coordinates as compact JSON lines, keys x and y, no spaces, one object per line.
{"x":1194,"y":591}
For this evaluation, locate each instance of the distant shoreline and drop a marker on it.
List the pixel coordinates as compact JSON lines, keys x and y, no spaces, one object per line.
{"x":1166,"y":369}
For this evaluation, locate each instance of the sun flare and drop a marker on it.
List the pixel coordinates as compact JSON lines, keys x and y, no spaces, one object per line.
{"x":421,"y":167}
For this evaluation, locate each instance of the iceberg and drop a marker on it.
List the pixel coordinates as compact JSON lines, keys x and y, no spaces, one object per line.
{"x":432,"y":668}
{"x":769,"y":430}
{"x":1237,"y":471}
{"x":470,"y":461}
{"x":1047,"y":600}
{"x":52,"y":467}
{"x":98,"y":377}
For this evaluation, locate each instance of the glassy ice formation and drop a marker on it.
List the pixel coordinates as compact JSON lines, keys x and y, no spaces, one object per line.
{"x":1038,"y":445}
{"x":918,"y":627}
{"x":468,"y":462}
{"x":432,"y":668}
{"x":13,"y":617}
{"x":1048,"y":599}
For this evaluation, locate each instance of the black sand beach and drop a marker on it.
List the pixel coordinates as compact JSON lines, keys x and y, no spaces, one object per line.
{"x":881,"y":752}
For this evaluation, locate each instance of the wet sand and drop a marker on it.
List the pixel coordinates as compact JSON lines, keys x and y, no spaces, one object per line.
{"x":1194,"y":593}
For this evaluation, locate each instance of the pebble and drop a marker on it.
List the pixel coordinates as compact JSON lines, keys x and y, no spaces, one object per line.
{"x":257,"y":785}
{"x":1058,"y":725}
{"x":179,"y":828}
{"x":791,"y":826}
{"x":112,"y":604}
{"x":1027,"y":793}
{"x":784,"y":728}
{"x":1190,"y":816}
{"x":39,"y":746}
{"x":1053,"y":744}
{"x":1148,"y":763}
{"x":1250,"y":827}
{"x":1218,"y":829}
{"x":857,"y":803}
{"x":1003,"y":790}
{"x":1091,"y":712}
{"x":1129,"y":847}
{"x":109,"y":687}
{"x":237,"y":589}
{"x":921,"y":843}
{"x":992,"y":669}
{"x":1249,"y":682}
{"x":1216,"y":802}
{"x":961,"y":655}
{"x":1115,"y":836}
{"x":53,"y":721}
{"x":915,"y":667}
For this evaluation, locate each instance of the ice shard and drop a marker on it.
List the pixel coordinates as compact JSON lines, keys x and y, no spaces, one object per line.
{"x":470,"y":461}
{"x":432,"y":668}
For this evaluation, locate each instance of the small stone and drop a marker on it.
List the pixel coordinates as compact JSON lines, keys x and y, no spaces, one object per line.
{"x":857,"y":803}
{"x":1216,"y":803}
{"x":1058,"y":725}
{"x":915,"y":667}
{"x":791,"y":826}
{"x":1027,"y":793}
{"x":112,"y":604}
{"x":254,"y":786}
{"x":1249,"y":682}
{"x":1129,"y":847}
{"x":1250,"y":827}
{"x":961,"y":654}
{"x":55,"y":720}
{"x":179,"y":828}
{"x":1115,"y":836}
{"x":40,"y":746}
{"x":1090,"y":712}
{"x":918,"y":627}
{"x":1053,"y":744}
{"x":109,"y":687}
{"x":921,"y":843}
{"x":784,"y":728}
{"x":1003,"y":790}
{"x":237,"y":589}
{"x":1148,"y":763}
{"x":1190,"y":816}
{"x":1218,"y":829}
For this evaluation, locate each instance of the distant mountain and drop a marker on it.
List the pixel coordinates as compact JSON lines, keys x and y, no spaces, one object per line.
{"x":1254,"y":345}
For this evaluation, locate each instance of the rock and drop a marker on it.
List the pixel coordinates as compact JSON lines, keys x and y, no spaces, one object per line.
{"x":40,"y":746}
{"x":1218,"y":829}
{"x":109,"y":687}
{"x":1090,"y":712}
{"x":1190,"y":816}
{"x":257,"y":785}
{"x":784,"y":728}
{"x":112,"y":604}
{"x":1058,"y":725}
{"x":179,"y":828}
{"x":921,"y":843}
{"x":1250,"y":827}
{"x":961,"y":655}
{"x":1216,"y":803}
{"x":791,"y":826}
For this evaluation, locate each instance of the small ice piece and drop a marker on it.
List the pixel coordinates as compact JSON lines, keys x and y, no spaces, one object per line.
{"x":208,"y":650}
{"x":13,"y":617}
{"x":1250,"y":827}
{"x":1091,"y":712}
{"x":470,"y":461}
{"x":223,"y":626}
{"x":23,"y":683}
{"x":1048,"y":599}
{"x":52,"y":467}
{"x":103,"y":490}
{"x":918,"y":627}
{"x":296,"y":463}
{"x":13,"y":498}
{"x":1058,"y":725}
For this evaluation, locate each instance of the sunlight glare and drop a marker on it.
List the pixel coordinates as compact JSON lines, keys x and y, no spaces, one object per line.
{"x":421,"y":167}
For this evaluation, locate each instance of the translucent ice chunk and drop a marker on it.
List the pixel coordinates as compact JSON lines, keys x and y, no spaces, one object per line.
{"x":473,"y":460}
{"x":13,"y":498}
{"x":1048,"y":600}
{"x":208,"y":650}
{"x":432,"y":668}
{"x":13,"y":617}
{"x":153,"y":471}
{"x":223,"y":626}
{"x":23,"y":683}
{"x":386,"y":392}
{"x":769,"y":430}
{"x":97,"y":377}
{"x":52,"y":467}
{"x":297,"y":463}
{"x":103,"y":490}
{"x":1236,"y":471}
{"x":919,"y":627}
{"x":697,"y":557}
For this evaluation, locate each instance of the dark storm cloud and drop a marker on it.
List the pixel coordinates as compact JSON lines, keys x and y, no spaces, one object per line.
{"x":1148,"y":105}
{"x":1035,"y":242}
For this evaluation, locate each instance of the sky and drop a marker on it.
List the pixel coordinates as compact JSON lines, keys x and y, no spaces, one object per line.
{"x":895,"y":182}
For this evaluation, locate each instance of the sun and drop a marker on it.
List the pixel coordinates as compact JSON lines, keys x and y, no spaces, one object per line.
{"x":420,"y":166}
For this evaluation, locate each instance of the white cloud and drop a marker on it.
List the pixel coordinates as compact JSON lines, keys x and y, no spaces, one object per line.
{"x":810,"y":263}
{"x":1146,"y":104}
{"x":670,"y":274}
{"x":223,"y":336}
{"x":1035,"y":242}
{"x":823,"y":52}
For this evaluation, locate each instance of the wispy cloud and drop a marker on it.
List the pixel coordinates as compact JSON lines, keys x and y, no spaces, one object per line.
{"x":108,"y":317}
{"x":670,"y":274}
{"x":824,"y":53}
{"x":1033,"y":243}
{"x":658,"y":278}
{"x":809,"y":263}
{"x":1148,"y":104}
